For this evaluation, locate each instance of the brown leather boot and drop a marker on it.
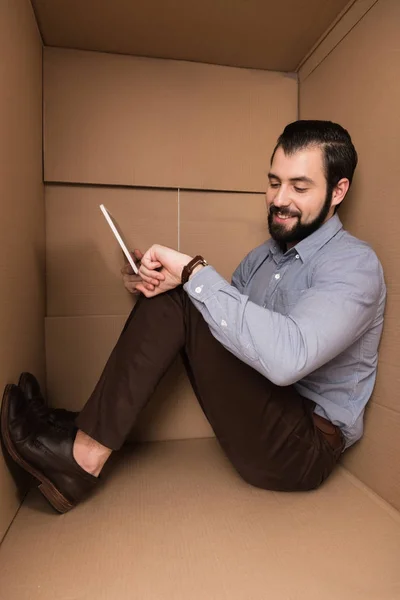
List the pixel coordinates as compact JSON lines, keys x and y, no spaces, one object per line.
{"x":44,"y":451}
{"x":59,"y":417}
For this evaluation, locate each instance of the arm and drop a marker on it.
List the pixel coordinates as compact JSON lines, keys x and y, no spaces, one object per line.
{"x":329,"y":317}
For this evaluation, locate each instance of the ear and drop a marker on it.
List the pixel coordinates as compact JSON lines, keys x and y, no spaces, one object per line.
{"x":339,"y":191}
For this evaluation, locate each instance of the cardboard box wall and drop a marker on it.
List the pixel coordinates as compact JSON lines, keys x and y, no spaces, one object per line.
{"x":357,"y":85}
{"x":22,"y":298}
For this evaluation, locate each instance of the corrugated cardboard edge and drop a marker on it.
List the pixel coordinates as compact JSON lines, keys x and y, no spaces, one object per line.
{"x":343,"y":24}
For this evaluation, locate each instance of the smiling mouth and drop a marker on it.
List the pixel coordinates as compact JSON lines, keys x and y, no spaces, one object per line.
{"x":283,"y":216}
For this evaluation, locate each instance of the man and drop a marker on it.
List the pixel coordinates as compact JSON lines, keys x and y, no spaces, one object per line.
{"x":282,"y":360}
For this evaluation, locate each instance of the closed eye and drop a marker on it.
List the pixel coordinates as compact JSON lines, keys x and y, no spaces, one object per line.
{"x":300,"y":190}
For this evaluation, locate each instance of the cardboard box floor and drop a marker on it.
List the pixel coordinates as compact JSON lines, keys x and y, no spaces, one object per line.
{"x":173,"y":520}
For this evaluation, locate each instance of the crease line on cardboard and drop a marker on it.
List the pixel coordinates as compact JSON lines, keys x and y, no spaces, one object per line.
{"x":148,"y":187}
{"x":87,"y":316}
{"x":179,"y":220}
{"x":389,"y":408}
{"x":8,"y":529}
{"x":389,"y":508}
{"x":326,"y":33}
{"x":355,"y":20}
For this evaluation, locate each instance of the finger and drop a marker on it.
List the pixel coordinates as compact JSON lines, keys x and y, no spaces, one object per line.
{"x":131,"y":286}
{"x":148,"y":286}
{"x":151,"y":276}
{"x":149,"y":263}
{"x":130,"y":289}
{"x":127,"y":269}
{"x":145,"y":291}
{"x":144,"y":270}
{"x":132,"y":278}
{"x":133,"y":289}
{"x":149,"y":280}
{"x":138,"y":254}
{"x":130,"y":282}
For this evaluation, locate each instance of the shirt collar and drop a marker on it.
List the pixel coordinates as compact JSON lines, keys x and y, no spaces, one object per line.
{"x":314,"y":242}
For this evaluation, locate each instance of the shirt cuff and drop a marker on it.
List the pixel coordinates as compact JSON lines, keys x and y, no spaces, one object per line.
{"x":204,"y":284}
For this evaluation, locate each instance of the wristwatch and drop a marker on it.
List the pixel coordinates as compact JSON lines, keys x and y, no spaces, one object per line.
{"x":189,"y":268}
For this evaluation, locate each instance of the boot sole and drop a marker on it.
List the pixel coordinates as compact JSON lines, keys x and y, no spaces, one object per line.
{"x":46,"y":487}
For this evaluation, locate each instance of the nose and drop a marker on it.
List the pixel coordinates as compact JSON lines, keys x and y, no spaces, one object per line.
{"x":281,"y":198}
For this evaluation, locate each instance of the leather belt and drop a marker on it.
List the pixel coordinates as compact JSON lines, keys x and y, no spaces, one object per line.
{"x":330,"y":432}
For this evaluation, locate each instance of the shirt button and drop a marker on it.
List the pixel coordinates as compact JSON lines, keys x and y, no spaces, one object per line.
{"x":198,"y":289}
{"x":277,"y":276}
{"x":224,"y":323}
{"x":297,"y":256}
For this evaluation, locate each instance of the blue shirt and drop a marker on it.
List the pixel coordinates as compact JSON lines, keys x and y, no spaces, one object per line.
{"x":311,"y":316}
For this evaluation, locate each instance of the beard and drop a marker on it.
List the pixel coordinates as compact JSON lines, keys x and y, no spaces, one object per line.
{"x":299,"y":231}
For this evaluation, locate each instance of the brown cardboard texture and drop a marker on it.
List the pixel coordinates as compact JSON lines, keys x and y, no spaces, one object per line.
{"x":84,"y":259}
{"x":370,"y":111}
{"x":222,"y":227}
{"x":160,"y":123}
{"x":22,"y":212}
{"x":209,"y":32}
{"x":174,"y":520}
{"x":178,"y":152}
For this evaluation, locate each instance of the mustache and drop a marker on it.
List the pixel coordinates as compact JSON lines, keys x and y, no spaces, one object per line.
{"x":284,"y":211}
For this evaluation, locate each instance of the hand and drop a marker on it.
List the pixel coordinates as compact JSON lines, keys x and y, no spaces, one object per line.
{"x":161,"y":267}
{"x":130,"y":278}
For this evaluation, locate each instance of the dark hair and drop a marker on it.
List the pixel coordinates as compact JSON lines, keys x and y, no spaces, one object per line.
{"x":340,"y":156}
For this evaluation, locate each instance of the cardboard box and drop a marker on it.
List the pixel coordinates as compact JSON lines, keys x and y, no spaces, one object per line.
{"x":179,"y":152}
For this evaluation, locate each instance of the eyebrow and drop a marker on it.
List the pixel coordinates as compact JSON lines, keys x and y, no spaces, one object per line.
{"x":302,"y":178}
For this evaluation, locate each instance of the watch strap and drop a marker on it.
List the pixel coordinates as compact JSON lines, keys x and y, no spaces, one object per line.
{"x":189,"y":268}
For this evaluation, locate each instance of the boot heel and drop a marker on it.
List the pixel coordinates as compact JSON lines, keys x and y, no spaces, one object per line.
{"x":57,"y":501}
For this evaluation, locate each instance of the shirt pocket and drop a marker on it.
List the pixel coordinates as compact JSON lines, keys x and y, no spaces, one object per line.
{"x":286,"y":300}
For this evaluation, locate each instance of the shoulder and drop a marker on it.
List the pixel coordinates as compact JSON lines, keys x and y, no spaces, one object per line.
{"x":350,"y":250}
{"x":351,"y":261}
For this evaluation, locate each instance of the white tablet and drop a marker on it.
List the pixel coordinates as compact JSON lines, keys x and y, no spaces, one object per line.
{"x":117,"y":232}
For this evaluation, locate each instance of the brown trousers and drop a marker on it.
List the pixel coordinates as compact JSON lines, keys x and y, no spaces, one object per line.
{"x":268,"y":432}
